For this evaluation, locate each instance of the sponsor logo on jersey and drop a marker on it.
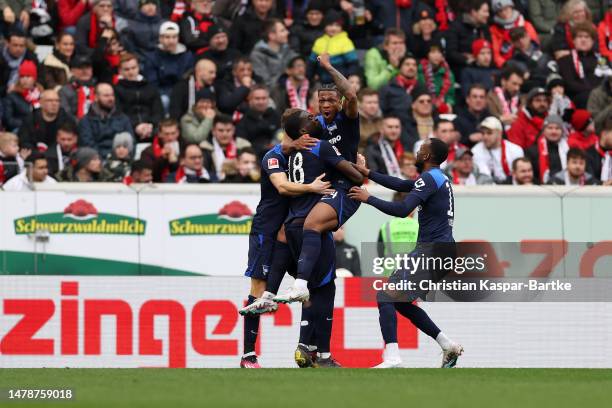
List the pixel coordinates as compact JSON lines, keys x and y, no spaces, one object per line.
{"x":273,"y":163}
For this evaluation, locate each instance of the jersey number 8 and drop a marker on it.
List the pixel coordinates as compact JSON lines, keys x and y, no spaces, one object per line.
{"x":296,"y":171}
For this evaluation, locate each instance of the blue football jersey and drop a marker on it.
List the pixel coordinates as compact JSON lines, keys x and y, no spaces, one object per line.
{"x":437,"y":206}
{"x":342,"y":132}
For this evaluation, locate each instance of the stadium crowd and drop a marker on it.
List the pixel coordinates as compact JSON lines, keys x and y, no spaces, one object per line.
{"x":193,"y":91}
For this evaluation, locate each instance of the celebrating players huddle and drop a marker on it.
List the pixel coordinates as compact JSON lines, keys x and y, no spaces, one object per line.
{"x":309,"y":188}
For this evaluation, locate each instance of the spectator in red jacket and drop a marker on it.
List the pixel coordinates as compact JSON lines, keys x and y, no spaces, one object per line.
{"x":530,"y":119}
{"x":604,"y":32}
{"x":506,"y":18}
{"x":69,"y":12}
{"x":583,"y":135}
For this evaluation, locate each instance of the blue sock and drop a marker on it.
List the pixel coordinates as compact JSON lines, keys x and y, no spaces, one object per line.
{"x":311,"y":249}
{"x":388,"y":322}
{"x":418,"y":317}
{"x":281,"y":262}
{"x":251,"y":327}
{"x":306,"y":325}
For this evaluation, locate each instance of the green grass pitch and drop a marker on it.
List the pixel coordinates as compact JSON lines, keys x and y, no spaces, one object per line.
{"x":220,"y":388}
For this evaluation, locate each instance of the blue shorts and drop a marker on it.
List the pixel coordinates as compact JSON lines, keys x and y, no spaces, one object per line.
{"x":345,"y":207}
{"x":260,"y":255}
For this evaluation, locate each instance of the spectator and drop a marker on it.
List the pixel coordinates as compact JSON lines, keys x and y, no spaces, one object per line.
{"x":382,"y":63}
{"x":106,"y":57}
{"x":355,"y":81}
{"x":304,"y":33}
{"x":271,"y":54}
{"x":11,"y":162}
{"x":77,"y":96}
{"x":382,"y":156}
{"x":575,"y":174}
{"x":23,"y":99}
{"x":527,"y":55}
{"x":444,"y":130}
{"x":522,"y":172}
{"x":245,"y":170}
{"x":194,"y":25}
{"x":463,"y":172}
{"x":574,"y":12}
{"x":224,"y":146}
{"x":370,"y":116}
{"x":69,"y":13}
{"x":335,"y":42}
{"x":481,"y":70}
{"x":43,"y":22}
{"x":36,"y":171}
{"x":494,"y":156}
{"x":16,"y":14}
{"x":197,"y":123}
{"x":438,"y":78}
{"x":347,"y":255}
{"x":505,"y":19}
{"x":503,"y":100}
{"x":582,"y":70}
{"x":191,"y":169}
{"x":140,"y":173}
{"x":66,"y":139}
{"x":56,"y":66}
{"x":126,"y":9}
{"x":138,"y":99}
{"x":98,"y":128}
{"x":142,"y":32}
{"x":260,"y":122}
{"x":604,"y":33}
{"x":167,"y":64}
{"x":117,"y":164}
{"x":421,"y":121}
{"x":183,"y":94}
{"x":600,"y":102}
{"x":234,"y":91}
{"x":86,"y":167}
{"x":543,"y":15}
{"x":583,"y":135}
{"x":218,"y":51}
{"x":469,"y":118}
{"x":470,"y":26}
{"x":530,"y":120}
{"x":599,"y":156}
{"x":247,"y":27}
{"x":424,"y":33}
{"x":14,"y":53}
{"x":165,"y":150}
{"x":548,"y":155}
{"x":40,"y":128}
{"x":555,"y":85}
{"x":293,"y":91}
{"x":92,"y":24}
{"x":392,"y":14}
{"x":408,"y":166}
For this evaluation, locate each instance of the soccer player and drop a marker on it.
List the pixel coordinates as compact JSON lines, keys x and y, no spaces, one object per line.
{"x":433,"y":193}
{"x":340,"y":121}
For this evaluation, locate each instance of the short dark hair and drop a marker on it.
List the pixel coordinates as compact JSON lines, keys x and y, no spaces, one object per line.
{"x":269,"y":26}
{"x":475,"y":5}
{"x":127,"y":57}
{"x":576,"y":153}
{"x":168,"y":122}
{"x":16,"y":33}
{"x":519,"y":160}
{"x":584,"y":27}
{"x":291,"y":122}
{"x":407,"y":57}
{"x":246,"y":150}
{"x":68,"y":127}
{"x":396,"y":32}
{"x":476,"y":86}
{"x":259,"y":87}
{"x":140,"y":165}
{"x":510,"y":70}
{"x":442,"y":121}
{"x":439,"y":150}
{"x":223,"y":119}
{"x":187,"y":146}
{"x":517,"y":33}
{"x":34,"y":156}
{"x":295,"y":59}
{"x":391,"y":116}
{"x":328,"y":88}
{"x":241,"y":59}
{"x":366,"y":92}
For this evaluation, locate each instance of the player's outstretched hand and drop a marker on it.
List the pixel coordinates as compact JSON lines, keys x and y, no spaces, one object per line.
{"x":318,"y":186}
{"x":359,"y":194}
{"x":305,"y":142}
{"x":361,"y":165}
{"x":324,"y":61}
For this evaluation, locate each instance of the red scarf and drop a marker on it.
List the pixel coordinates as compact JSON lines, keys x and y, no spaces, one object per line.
{"x":452,"y":151}
{"x":543,"y":157}
{"x":568,"y":36}
{"x":181,"y":176}
{"x":298,"y":98}
{"x":578,"y":64}
{"x":93,"y":30}
{"x":504,"y":159}
{"x":32,"y":96}
{"x":157,"y":147}
{"x":407,"y":84}
{"x":456,"y":178}
{"x":128,"y":180}
{"x":231,"y":152}
{"x":84,"y":99}
{"x":2,"y":176}
{"x":507,"y":107}
{"x":113,"y":61}
{"x":236,"y":116}
{"x":398,"y":149}
{"x":177,"y":12}
{"x":582,"y":141}
{"x":403,"y":3}
{"x":443,"y":14}
{"x":428,"y":73}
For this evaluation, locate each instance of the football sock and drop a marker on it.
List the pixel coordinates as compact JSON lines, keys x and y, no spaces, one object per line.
{"x":418,"y":317}
{"x":281,"y":261}
{"x":392,"y":351}
{"x":323,"y":311}
{"x":444,"y":341}
{"x":311,"y":249}
{"x":251,"y":327}
{"x":387,"y":319}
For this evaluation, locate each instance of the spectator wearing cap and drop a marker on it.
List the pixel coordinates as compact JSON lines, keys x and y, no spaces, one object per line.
{"x":232,"y":92}
{"x":294,"y":88}
{"x":245,"y":169}
{"x":55,"y":69}
{"x":118,"y":162}
{"x":382,"y":62}
{"x":260,"y":122}
{"x":503,"y":100}
{"x":142,"y":31}
{"x":583,"y":129}
{"x":469,"y":117}
{"x":421,"y":121}
{"x":219,"y":52}
{"x":335,"y":42}
{"x":599,"y":156}
{"x":223,"y":146}
{"x":183,"y":95}
{"x":582,"y":70}
{"x":469,"y":26}
{"x":11,"y":161}
{"x":543,"y":15}
{"x":560,"y":102}
{"x":194,"y":25}
{"x":98,"y":128}
{"x":505,"y":18}
{"x":548,"y":155}
{"x":13,"y":54}
{"x":191,"y":168}
{"x":522,"y":173}
{"x":527,"y":55}
{"x":271,"y":54}
{"x":494,"y":155}
{"x":197,"y":123}
{"x":164,"y":152}
{"x":138,"y":99}
{"x":39,"y":129}
{"x":66,"y":139}
{"x":530,"y":119}
{"x":166,"y":65}
{"x":604,"y":33}
{"x":304,"y":33}
{"x":573,"y":13}
{"x":438,"y":78}
{"x":600,"y":102}
{"x":69,"y":12}
{"x":247,"y":27}
{"x":424,"y":32}
{"x":23,"y":99}
{"x":575,"y":173}
{"x":36,"y":171}
{"x":85,"y":167}
{"x":77,"y":96}
{"x":92,"y":24}
{"x":463,"y":172}
{"x":481,"y":71}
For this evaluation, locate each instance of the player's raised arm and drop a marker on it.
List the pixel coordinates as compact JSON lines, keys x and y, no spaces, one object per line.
{"x":288,"y":188}
{"x":400,"y":209}
{"x":350,"y":106}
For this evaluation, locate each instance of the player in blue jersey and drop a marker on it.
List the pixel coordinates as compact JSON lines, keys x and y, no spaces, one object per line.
{"x":267,"y":228}
{"x":433,"y":194}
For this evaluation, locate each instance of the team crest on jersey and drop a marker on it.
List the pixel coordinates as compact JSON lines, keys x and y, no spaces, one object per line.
{"x":273,"y":163}
{"x":332,"y":127}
